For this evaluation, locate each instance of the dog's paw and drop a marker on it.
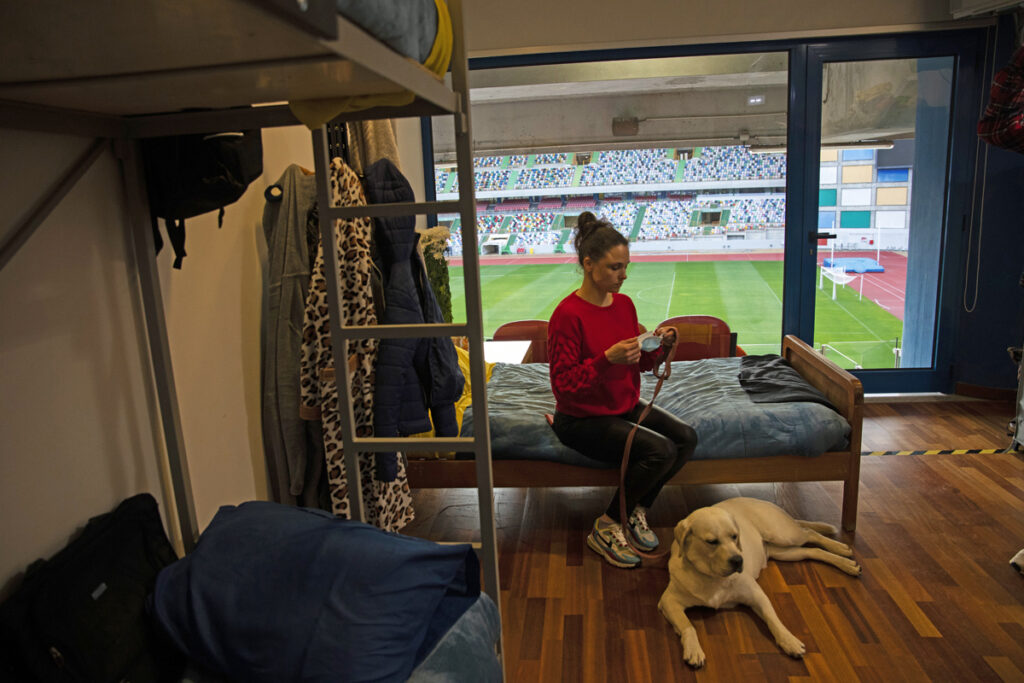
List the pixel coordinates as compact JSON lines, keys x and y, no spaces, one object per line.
{"x":791,"y":645}
{"x":844,"y":550}
{"x":692,"y":651}
{"x":850,"y":567}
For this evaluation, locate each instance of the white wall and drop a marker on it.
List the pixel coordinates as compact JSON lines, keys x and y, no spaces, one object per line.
{"x":213,"y":307}
{"x":76,"y":428}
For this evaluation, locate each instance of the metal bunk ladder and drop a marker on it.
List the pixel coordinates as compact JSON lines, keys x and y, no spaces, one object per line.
{"x":480,"y":443}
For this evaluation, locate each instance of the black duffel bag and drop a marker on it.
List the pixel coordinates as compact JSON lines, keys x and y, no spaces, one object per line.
{"x":81,"y":615}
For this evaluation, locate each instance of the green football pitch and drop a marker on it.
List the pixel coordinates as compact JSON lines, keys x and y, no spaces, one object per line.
{"x":746,"y":294}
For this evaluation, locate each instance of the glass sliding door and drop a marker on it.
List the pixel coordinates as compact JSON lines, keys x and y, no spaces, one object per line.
{"x":883,"y":162}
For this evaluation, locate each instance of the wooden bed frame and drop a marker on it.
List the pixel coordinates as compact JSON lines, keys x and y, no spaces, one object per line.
{"x":839,"y":386}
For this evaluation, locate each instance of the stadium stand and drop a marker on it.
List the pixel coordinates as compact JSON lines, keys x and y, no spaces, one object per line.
{"x":625,"y":167}
{"x":440,"y":180}
{"x":544,"y":159}
{"x":486,"y":162}
{"x":537,"y":220}
{"x":550,"y":203}
{"x":544,"y":177}
{"x":489,"y":222}
{"x":580,"y":203}
{"x":620,"y":214}
{"x":491,"y":180}
{"x":666,"y":219}
{"x":734,"y":163}
{"x":751,"y":213}
{"x":513,"y":205}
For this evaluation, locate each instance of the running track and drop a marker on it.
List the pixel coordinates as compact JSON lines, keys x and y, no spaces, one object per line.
{"x":887,"y":289}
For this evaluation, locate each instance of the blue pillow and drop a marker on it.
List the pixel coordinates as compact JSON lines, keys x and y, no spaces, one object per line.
{"x":279,"y":593}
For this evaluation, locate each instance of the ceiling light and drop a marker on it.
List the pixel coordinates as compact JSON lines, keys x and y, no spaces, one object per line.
{"x":755,"y":100}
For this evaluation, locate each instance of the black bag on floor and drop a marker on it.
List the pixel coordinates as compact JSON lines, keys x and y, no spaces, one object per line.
{"x":81,"y":615}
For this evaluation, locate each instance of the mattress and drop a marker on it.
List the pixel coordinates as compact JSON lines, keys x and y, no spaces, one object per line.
{"x":706,"y":394}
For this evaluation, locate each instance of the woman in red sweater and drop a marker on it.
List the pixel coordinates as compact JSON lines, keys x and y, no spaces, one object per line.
{"x":595,"y":365}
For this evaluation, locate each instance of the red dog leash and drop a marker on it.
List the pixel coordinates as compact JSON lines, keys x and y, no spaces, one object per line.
{"x":666,"y":358}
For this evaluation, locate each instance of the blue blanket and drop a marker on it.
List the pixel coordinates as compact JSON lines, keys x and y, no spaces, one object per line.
{"x":276,"y":593}
{"x":706,"y":394}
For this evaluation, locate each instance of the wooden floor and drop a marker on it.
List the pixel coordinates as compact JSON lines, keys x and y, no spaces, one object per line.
{"x":937,"y":600}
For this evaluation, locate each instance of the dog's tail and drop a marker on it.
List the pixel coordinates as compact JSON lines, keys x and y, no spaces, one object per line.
{"x":820,"y":527}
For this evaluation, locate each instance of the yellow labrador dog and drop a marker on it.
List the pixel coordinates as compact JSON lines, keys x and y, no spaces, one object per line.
{"x":719,"y":552}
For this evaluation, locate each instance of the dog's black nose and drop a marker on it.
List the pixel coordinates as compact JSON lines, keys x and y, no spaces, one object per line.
{"x":736,"y":562}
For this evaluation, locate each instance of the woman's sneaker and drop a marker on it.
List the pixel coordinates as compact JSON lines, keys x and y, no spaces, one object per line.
{"x":607,"y":539}
{"x":643,"y":537}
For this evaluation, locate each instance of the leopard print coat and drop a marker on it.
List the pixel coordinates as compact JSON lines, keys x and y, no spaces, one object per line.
{"x":388,"y":505}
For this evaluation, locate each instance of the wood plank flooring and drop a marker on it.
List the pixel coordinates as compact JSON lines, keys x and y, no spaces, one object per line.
{"x":937,"y":600}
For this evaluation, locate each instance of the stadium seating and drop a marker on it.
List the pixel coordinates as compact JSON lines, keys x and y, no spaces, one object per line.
{"x":620,"y":214}
{"x":545,"y":177}
{"x":580,"y":203}
{"x":734,"y":163}
{"x":485,"y":162}
{"x":630,"y":167}
{"x":491,"y":180}
{"x":549,"y":159}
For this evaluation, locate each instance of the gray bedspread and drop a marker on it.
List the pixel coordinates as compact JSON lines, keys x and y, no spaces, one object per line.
{"x":706,"y":394}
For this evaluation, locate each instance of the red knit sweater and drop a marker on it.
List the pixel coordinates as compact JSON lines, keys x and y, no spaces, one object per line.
{"x":583,"y":381}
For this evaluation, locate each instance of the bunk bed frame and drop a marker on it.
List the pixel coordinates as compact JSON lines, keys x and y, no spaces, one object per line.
{"x":841,"y":388}
{"x":113,"y":70}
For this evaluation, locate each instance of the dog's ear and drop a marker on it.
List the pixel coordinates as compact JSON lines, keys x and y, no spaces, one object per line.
{"x":682,"y":530}
{"x":739,"y":546}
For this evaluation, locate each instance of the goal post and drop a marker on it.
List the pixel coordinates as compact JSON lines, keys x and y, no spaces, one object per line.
{"x":838,"y":275}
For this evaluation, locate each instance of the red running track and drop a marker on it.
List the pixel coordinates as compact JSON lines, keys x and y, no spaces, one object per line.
{"x":887,"y":289}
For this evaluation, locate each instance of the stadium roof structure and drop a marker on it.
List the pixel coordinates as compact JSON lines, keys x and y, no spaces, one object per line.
{"x":674,"y":102}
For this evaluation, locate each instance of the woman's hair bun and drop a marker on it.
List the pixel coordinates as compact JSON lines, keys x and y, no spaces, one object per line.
{"x":595,"y":236}
{"x":586,"y":218}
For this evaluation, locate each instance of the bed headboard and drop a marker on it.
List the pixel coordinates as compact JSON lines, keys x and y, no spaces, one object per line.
{"x":840,"y":387}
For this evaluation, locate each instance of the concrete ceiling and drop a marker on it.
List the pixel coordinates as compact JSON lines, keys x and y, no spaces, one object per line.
{"x":673,"y":102}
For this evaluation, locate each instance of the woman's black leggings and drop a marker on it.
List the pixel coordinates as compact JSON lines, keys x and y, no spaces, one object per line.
{"x":661,"y":447}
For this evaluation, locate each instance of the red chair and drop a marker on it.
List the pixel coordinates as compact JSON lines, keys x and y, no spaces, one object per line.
{"x":702,"y":336}
{"x":535,"y":331}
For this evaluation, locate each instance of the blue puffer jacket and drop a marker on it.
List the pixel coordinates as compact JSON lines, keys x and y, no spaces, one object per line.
{"x":413,"y":375}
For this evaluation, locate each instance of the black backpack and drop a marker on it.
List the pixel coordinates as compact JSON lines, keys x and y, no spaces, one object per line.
{"x":81,"y":616}
{"x":188,"y":175}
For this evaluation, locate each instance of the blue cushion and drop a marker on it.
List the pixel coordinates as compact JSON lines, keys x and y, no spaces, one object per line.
{"x":278,"y":593}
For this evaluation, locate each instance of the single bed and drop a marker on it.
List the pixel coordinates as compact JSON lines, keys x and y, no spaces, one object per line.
{"x":825,"y":448}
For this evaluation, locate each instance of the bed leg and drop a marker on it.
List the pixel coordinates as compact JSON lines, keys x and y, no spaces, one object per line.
{"x":851,"y":488}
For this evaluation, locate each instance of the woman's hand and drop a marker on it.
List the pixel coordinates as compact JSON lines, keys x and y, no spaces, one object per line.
{"x":626,"y":352}
{"x":667,"y":334}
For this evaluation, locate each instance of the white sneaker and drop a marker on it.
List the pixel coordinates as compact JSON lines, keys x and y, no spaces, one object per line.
{"x":609,"y":541}
{"x":640,"y":530}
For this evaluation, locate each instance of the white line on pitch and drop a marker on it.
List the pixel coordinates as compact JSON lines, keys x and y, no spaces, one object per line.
{"x":671,"y":287}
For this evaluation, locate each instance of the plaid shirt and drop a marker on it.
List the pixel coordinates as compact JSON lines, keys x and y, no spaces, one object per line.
{"x":1002,"y":124}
